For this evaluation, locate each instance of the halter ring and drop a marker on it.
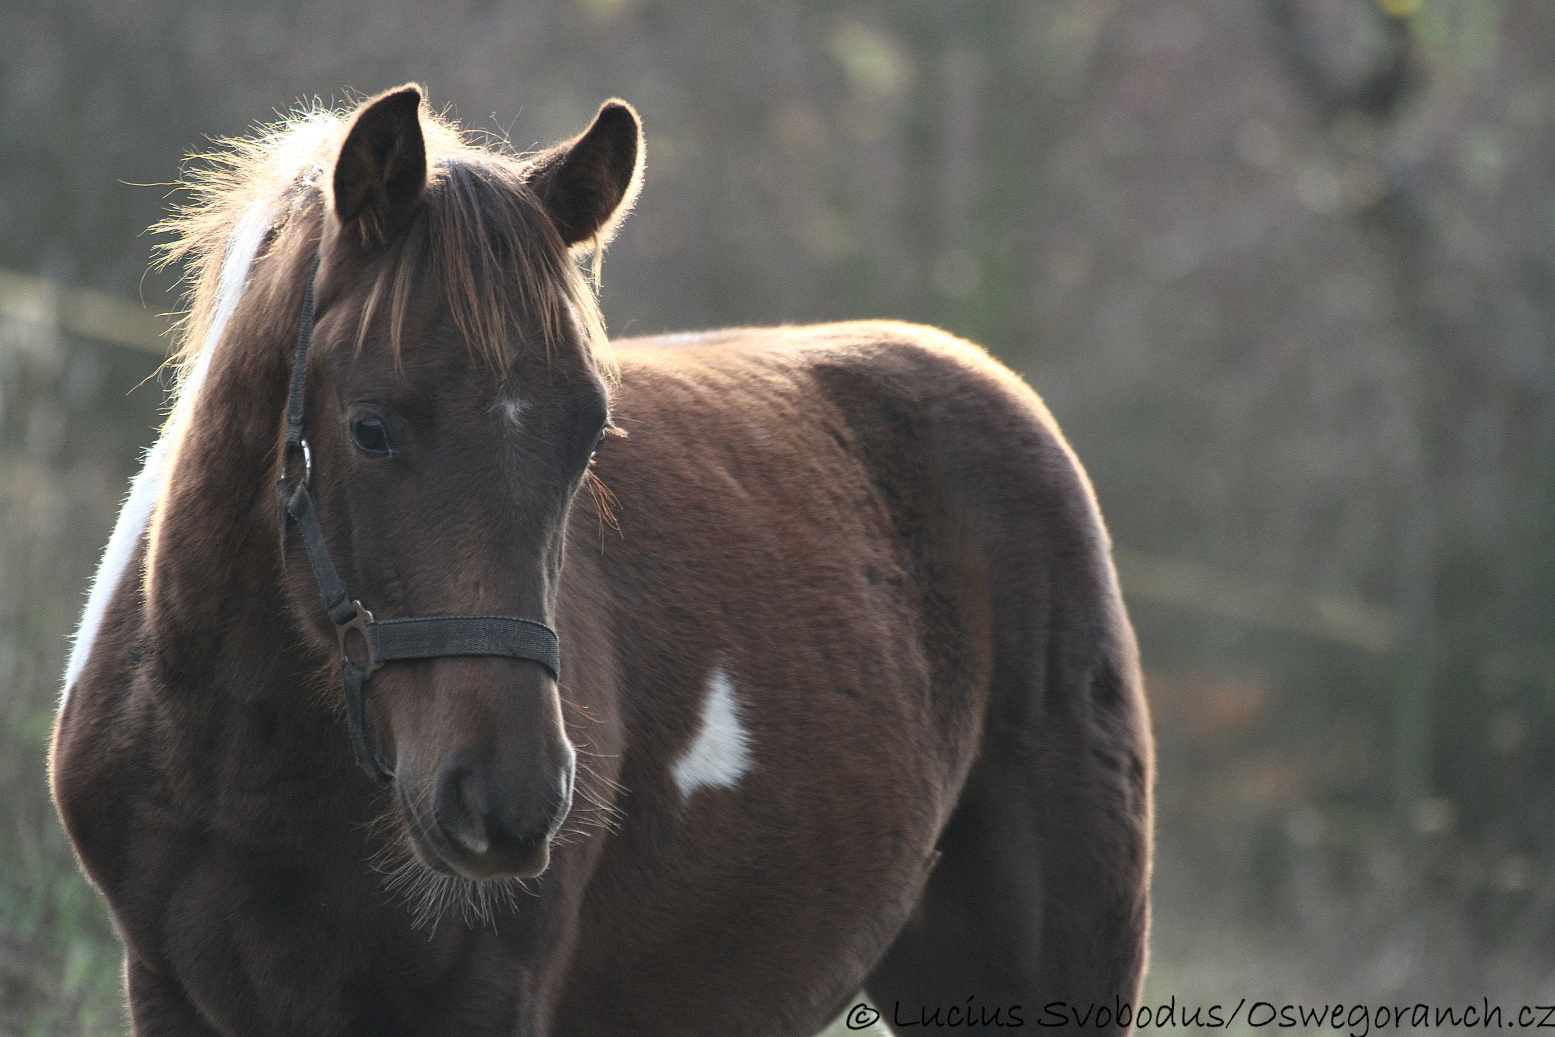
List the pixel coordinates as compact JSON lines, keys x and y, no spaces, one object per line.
{"x":360,"y":620}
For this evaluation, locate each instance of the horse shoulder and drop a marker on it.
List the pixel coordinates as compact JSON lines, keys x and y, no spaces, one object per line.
{"x":99,"y":757}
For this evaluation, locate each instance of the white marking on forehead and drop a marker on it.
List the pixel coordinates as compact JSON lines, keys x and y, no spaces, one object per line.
{"x":513,"y":409}
{"x":135,"y":513}
{"x":720,"y":755}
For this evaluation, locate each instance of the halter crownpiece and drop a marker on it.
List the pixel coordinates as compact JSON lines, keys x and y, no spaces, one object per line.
{"x":366,"y":644}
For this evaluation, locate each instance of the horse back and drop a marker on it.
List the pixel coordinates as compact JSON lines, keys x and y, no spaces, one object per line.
{"x":872,"y":533}
{"x":921,"y":470}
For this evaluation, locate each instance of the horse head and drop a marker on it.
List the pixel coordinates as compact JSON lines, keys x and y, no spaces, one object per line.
{"x":453,"y":401}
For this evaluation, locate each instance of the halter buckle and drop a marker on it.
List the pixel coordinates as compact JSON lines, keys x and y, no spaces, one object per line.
{"x":293,"y":448}
{"x":358,"y":624}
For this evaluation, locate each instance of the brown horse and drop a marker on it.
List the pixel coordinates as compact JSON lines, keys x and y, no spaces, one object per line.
{"x":846,"y":696}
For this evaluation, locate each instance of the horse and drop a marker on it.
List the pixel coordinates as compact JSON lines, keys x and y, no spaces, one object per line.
{"x":377,"y":723}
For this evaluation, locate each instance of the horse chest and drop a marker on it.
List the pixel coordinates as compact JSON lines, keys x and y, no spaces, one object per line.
{"x":294,"y":935}
{"x":271,"y":946}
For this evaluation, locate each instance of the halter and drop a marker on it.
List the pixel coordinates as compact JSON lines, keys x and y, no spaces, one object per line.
{"x":379,"y":641}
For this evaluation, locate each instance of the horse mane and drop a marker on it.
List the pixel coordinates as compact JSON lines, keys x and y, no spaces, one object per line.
{"x":480,"y":228}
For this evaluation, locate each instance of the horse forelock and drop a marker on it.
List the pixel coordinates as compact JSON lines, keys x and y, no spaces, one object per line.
{"x":504,"y":270}
{"x":480,"y":230}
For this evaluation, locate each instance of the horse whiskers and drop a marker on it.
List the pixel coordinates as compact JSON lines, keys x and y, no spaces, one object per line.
{"x":577,"y":825}
{"x":589,"y":772}
{"x":586,"y":713}
{"x":597,"y":805}
{"x":603,"y":815}
{"x":430,"y":895}
{"x":600,"y":818}
{"x":596,"y":812}
{"x":600,"y":809}
{"x":597,"y":796}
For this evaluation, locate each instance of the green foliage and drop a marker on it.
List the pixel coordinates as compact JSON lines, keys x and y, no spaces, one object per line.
{"x":61,"y":972}
{"x":1460,"y":37}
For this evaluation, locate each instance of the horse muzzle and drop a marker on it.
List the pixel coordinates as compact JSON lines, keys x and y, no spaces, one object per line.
{"x":480,"y":823}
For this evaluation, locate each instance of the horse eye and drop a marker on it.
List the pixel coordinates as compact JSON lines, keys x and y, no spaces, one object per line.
{"x":370,"y":436}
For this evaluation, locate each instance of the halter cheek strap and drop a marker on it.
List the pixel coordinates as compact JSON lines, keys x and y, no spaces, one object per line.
{"x":366,"y":644}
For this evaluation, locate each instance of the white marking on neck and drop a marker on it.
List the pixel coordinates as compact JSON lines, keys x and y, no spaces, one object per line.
{"x":720,"y":755}
{"x":135,"y":513}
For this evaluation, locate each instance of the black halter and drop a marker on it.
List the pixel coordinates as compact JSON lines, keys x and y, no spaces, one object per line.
{"x":379,"y":641}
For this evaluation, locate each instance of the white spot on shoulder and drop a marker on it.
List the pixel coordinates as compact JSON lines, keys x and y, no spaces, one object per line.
{"x":135,"y":513}
{"x":720,"y":755}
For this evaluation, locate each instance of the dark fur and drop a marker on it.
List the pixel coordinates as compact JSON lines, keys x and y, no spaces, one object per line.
{"x":876,"y":531}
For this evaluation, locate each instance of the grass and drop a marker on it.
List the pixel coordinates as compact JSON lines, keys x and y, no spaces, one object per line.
{"x":59,"y":954}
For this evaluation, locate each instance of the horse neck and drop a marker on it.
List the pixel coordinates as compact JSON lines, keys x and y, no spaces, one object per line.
{"x":216,"y":611}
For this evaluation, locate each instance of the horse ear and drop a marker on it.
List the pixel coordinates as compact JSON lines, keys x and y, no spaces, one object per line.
{"x":588,"y":184}
{"x":382,"y":166}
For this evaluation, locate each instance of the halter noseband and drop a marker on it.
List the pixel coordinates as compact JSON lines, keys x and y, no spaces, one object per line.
{"x":379,"y":641}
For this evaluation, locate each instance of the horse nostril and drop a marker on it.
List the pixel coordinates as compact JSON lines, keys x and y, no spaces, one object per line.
{"x":520,"y":830}
{"x":460,"y":809}
{"x":491,"y":826}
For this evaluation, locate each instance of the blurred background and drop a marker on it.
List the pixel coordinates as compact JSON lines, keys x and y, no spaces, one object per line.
{"x":1283,"y":269}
